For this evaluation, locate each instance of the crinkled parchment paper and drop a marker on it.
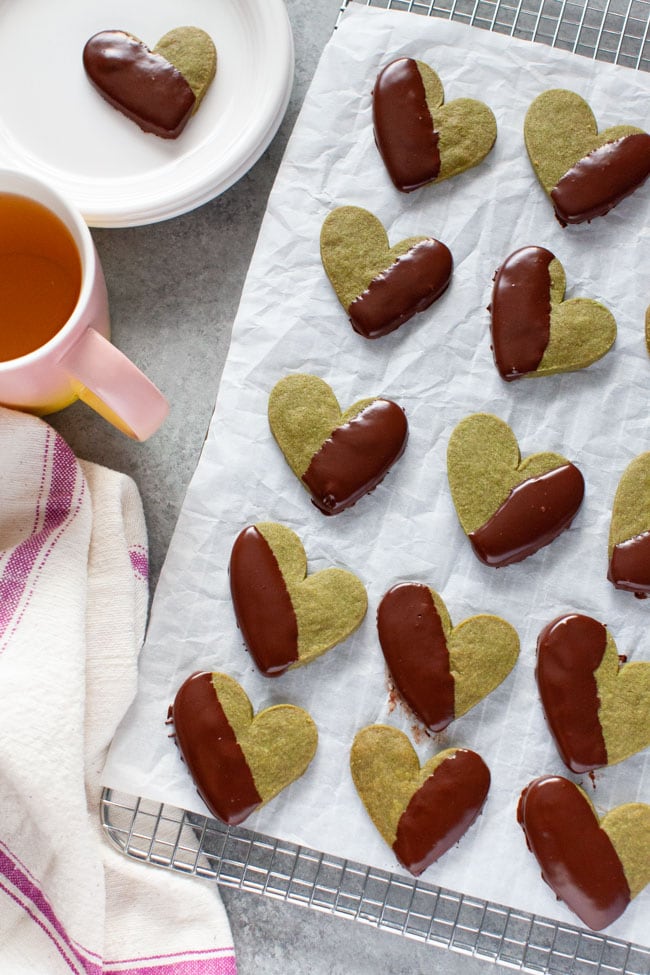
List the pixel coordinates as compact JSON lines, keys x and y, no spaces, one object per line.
{"x":439,"y":367}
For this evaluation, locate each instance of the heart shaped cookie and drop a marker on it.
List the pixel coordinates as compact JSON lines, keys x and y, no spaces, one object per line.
{"x":159,"y":89}
{"x":534,"y":331}
{"x":421,"y":812}
{"x":238,"y":761}
{"x":595,"y":866}
{"x":441,"y":671}
{"x":339,"y":457}
{"x":629,"y":531}
{"x":379,"y":286}
{"x":598,"y":710}
{"x":420,"y":139}
{"x":286,"y":617}
{"x":585,"y":172}
{"x":507,"y":507}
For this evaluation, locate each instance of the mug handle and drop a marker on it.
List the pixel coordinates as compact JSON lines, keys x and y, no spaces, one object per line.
{"x":107,"y":381}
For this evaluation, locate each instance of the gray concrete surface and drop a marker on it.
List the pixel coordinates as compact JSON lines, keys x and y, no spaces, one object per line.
{"x":174,"y":288}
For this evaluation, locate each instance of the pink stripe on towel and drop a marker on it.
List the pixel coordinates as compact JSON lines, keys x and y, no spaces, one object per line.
{"x":216,"y":962}
{"x":36,"y":905}
{"x":28,"y":558}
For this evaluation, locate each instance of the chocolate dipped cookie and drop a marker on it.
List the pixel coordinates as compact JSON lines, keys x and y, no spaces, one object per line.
{"x":158,"y":89}
{"x":420,"y":811}
{"x":535,"y":332}
{"x":596,"y":866}
{"x":337,"y":456}
{"x":379,"y":286}
{"x":420,"y":138}
{"x":597,"y":709}
{"x":628,"y":550}
{"x":288,"y":618}
{"x":584,"y":172}
{"x":440,"y":670}
{"x":508,"y":507}
{"x":238,"y":761}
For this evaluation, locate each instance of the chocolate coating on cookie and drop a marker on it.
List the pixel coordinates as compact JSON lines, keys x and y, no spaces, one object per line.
{"x":535,"y":512}
{"x":262,"y":603}
{"x":142,"y":85}
{"x":442,"y":810}
{"x":356,"y":456}
{"x":521,"y":312}
{"x":223,"y":777}
{"x":569,"y":651}
{"x":629,"y":565}
{"x":577,"y":857}
{"x":411,"y":283}
{"x":602,"y":179}
{"x":404,"y":129}
{"x":409,"y":625}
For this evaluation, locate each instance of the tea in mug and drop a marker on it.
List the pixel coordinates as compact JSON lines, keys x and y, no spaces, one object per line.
{"x":40,"y":275}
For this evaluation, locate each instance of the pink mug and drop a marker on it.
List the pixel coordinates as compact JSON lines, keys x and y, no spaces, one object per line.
{"x":78,"y":361}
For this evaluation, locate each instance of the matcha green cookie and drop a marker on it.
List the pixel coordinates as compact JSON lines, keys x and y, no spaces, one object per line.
{"x":584,"y":172}
{"x":420,"y":811}
{"x":238,"y":761}
{"x":338,"y":456}
{"x":420,"y":139}
{"x":440,"y":670}
{"x":629,"y":533}
{"x":596,"y":866}
{"x":288,"y":618}
{"x":158,"y":89}
{"x":380,"y":286}
{"x":534,"y":331}
{"x":507,"y":507}
{"x":597,"y":709}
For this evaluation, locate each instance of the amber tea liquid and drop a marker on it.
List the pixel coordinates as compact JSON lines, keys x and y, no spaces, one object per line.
{"x":40,"y":275}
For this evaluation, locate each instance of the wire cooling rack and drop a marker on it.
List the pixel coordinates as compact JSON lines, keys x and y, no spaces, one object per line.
{"x":171,"y":838}
{"x":616,"y":31}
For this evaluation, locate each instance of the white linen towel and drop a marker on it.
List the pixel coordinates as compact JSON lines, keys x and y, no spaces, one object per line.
{"x":73,"y":601}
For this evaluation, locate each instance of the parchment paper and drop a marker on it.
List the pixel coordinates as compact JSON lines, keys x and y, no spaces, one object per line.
{"x":439,"y":367}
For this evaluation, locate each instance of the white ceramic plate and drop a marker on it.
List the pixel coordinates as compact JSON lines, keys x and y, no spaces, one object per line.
{"x":53,"y":123}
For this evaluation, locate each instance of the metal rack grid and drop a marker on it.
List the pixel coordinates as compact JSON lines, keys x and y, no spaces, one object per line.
{"x":194,"y":845}
{"x":615,"y":31}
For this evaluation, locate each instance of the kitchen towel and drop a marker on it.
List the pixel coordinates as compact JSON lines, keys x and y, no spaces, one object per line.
{"x":73,"y":603}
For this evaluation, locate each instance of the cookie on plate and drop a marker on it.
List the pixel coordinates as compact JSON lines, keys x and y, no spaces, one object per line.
{"x":584,"y":172}
{"x":420,"y":138}
{"x":420,"y":811}
{"x":596,"y":866}
{"x":288,"y":618}
{"x":508,"y":507}
{"x":238,"y":761}
{"x":337,"y":456}
{"x":380,"y":286}
{"x":159,"y":89}
{"x":440,"y":670}
{"x":535,"y":332}
{"x":629,"y":531}
{"x":597,"y":709}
